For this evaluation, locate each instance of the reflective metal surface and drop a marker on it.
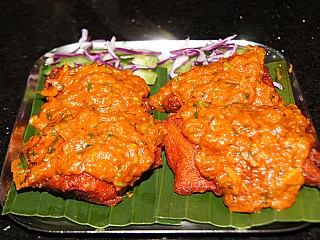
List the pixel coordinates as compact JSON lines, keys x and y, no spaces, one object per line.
{"x":63,"y":225}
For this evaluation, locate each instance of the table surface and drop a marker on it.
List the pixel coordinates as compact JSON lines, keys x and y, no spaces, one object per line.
{"x":29,"y":28}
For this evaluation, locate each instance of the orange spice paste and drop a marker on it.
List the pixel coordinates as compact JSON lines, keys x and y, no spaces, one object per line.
{"x":239,"y":79}
{"x":256,"y":154}
{"x":246,"y":139}
{"x":94,"y":122}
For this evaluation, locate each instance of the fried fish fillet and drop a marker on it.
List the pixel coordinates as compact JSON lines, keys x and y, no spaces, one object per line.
{"x":180,"y":153}
{"x":311,"y":169}
{"x":239,"y":79}
{"x":95,"y":135}
{"x":256,"y":154}
{"x":229,"y":127}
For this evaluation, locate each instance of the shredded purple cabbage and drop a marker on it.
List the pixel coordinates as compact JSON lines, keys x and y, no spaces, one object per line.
{"x":224,"y":48}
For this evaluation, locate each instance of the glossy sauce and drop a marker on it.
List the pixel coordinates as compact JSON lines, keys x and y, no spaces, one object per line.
{"x":94,"y":122}
{"x":256,"y":154}
{"x":238,"y":79}
{"x":247,"y":140}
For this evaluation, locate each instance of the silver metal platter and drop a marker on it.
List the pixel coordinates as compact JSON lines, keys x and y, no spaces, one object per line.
{"x":51,"y":225}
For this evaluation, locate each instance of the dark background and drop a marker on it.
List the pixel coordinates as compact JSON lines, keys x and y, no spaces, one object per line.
{"x":31,"y":28}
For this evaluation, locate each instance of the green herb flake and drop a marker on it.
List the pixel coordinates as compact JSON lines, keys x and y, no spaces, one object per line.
{"x":90,"y":135}
{"x":54,"y":132}
{"x":89,"y":87}
{"x":235,"y":131}
{"x":24,"y":163}
{"x":227,"y":65}
{"x":49,"y":116}
{"x":202,"y":104}
{"x":50,"y":149}
{"x":33,"y":153}
{"x":64,"y":119}
{"x":56,"y":139}
{"x":196,"y":113}
{"x":216,"y":72}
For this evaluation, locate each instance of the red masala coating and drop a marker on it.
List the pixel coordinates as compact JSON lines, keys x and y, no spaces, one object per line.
{"x":256,"y":154}
{"x":239,"y":79}
{"x":180,"y":154}
{"x":96,"y":135}
{"x":83,"y":186}
{"x":311,"y":169}
{"x":229,"y":124}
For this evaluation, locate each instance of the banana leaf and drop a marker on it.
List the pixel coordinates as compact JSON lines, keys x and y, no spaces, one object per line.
{"x":153,"y":200}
